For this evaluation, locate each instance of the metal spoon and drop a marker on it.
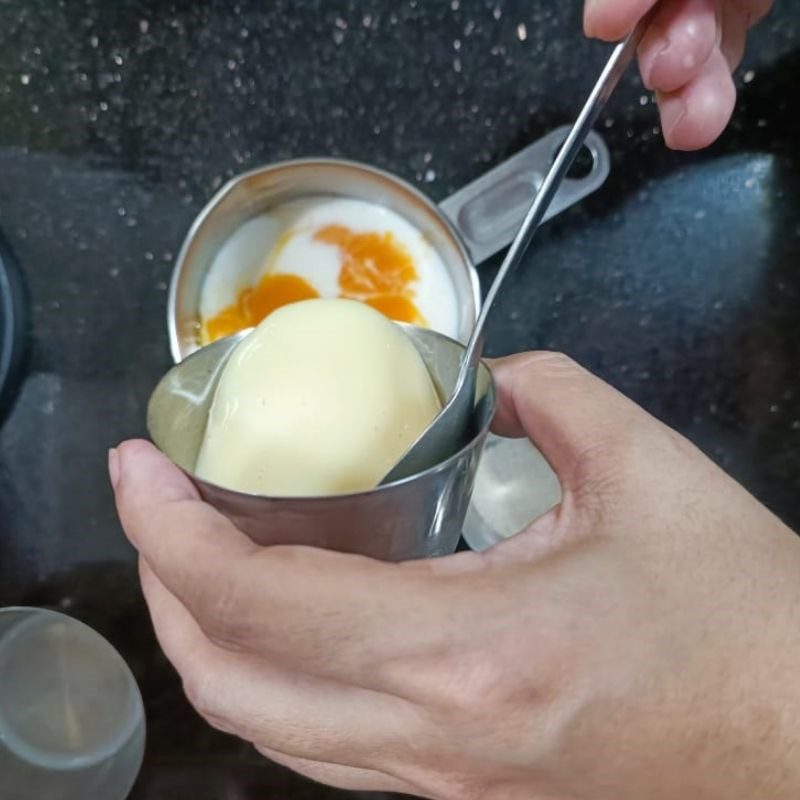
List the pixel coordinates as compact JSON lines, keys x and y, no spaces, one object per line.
{"x":446,"y":433}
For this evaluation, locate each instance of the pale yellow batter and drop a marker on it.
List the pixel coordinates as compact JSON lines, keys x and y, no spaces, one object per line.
{"x":322,"y":398}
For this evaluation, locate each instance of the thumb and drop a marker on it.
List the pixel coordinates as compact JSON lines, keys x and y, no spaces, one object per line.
{"x":160,"y":480}
{"x":583,"y":426}
{"x":164,"y":518}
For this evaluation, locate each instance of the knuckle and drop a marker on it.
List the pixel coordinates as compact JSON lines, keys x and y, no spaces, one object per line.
{"x":474,"y":687}
{"x":203,"y":695}
{"x":200,"y":692}
{"x":604,"y":465}
{"x":612,"y":461}
{"x":550,"y":362}
{"x":679,"y":447}
{"x":223,"y":618}
{"x":619,"y":464}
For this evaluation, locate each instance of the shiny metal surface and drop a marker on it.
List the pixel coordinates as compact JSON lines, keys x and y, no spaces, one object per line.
{"x":473,"y":224}
{"x":445,"y":434}
{"x":489,"y":211}
{"x":256,"y":192}
{"x":420,"y":516}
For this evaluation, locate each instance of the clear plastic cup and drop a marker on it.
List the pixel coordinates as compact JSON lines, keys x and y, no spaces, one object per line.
{"x":514,"y":486}
{"x":71,"y":717}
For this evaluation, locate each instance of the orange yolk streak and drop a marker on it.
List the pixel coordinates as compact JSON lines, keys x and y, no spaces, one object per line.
{"x":252,"y":305}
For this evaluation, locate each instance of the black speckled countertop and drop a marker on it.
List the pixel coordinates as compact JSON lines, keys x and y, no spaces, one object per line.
{"x":679,"y":282}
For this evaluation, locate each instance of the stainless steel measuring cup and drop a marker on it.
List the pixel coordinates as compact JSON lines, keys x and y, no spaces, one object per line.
{"x":418,"y":517}
{"x":467,"y":228}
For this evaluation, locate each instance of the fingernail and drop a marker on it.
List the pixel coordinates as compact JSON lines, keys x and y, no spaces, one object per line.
{"x":673,"y":110}
{"x":113,"y":467}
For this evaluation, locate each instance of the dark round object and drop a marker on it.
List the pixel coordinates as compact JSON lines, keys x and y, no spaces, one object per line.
{"x":12,"y":328}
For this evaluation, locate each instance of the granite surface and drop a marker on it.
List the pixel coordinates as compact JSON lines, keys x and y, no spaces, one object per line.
{"x":678,"y":282}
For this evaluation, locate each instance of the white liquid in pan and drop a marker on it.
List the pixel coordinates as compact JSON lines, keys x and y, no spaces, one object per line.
{"x":286,"y":241}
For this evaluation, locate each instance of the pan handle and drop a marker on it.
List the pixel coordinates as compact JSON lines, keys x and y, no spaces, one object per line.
{"x":487,"y":213}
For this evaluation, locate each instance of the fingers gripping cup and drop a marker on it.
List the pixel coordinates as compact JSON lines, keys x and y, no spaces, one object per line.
{"x":71,"y":718}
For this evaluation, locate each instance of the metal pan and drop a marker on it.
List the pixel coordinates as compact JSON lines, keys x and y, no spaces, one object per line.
{"x":467,"y":228}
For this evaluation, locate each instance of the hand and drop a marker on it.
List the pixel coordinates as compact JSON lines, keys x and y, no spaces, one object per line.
{"x":639,"y":641}
{"x":687,"y":58}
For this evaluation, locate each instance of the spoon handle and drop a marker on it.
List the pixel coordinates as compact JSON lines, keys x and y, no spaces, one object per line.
{"x":615,"y":68}
{"x":440,"y":439}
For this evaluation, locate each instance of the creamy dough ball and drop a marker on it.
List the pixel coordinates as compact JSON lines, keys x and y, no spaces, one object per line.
{"x":323,"y":398}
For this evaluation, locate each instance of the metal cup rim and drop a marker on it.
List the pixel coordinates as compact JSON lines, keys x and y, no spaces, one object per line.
{"x":309,"y":161}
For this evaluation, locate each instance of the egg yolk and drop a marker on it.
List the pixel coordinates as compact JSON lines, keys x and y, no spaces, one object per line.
{"x":375,"y":269}
{"x":253,"y":304}
{"x":372,"y":262}
{"x":395,"y":306}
